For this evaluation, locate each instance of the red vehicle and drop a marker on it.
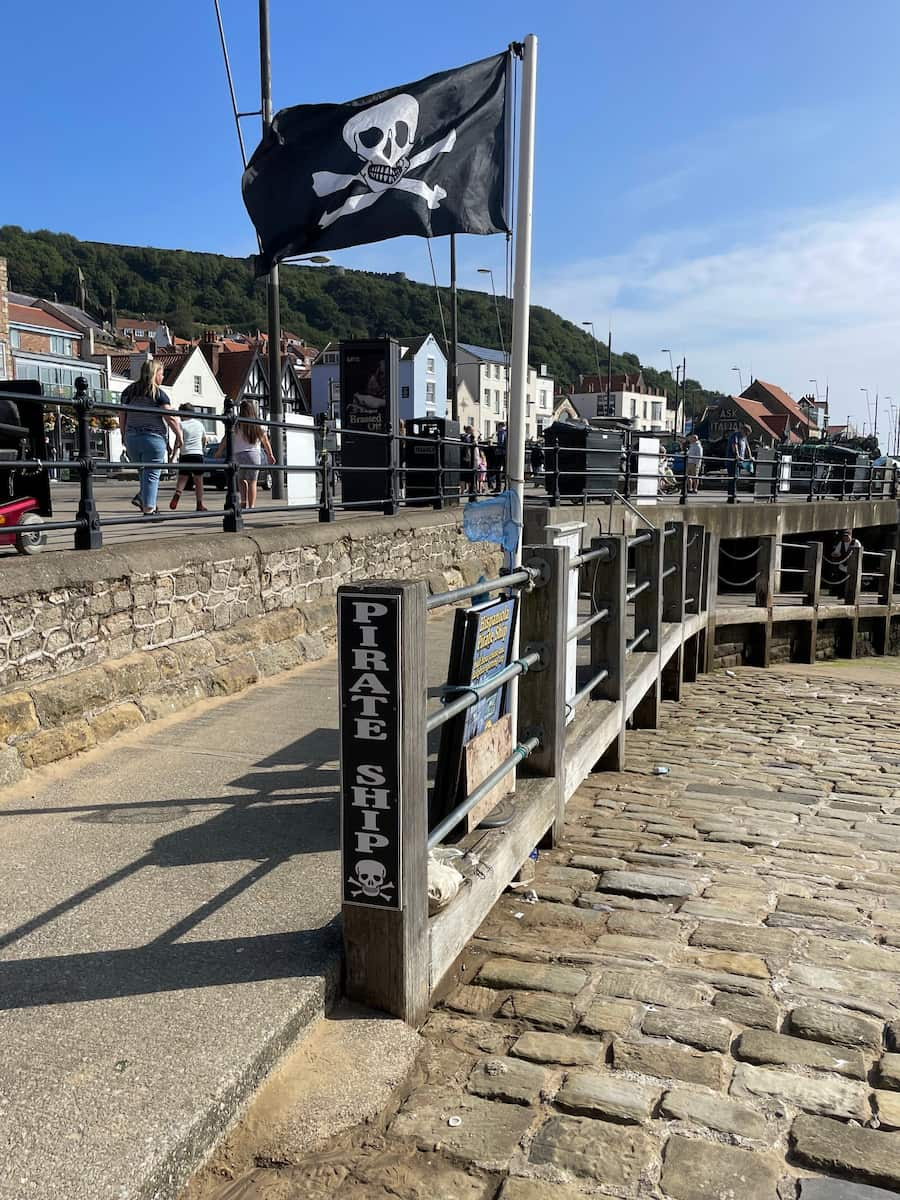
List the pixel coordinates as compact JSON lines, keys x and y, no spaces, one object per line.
{"x":24,"y":490}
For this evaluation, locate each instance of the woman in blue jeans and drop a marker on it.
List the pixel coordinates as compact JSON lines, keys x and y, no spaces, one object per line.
{"x":145,"y":432}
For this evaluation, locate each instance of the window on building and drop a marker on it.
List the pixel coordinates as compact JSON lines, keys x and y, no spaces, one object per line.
{"x":496,"y":399}
{"x":15,"y":339}
{"x":429,"y":365}
{"x":60,"y":345}
{"x":645,"y":410}
{"x":198,"y":385}
{"x":487,"y":397}
{"x":430,"y":397}
{"x":633,"y":407}
{"x":331,"y":357}
{"x":657,"y":411}
{"x":404,"y":393}
{"x":496,"y":371}
{"x":545,"y":400}
{"x":487,"y":429}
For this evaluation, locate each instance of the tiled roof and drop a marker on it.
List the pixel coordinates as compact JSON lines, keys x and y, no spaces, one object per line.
{"x":780,"y":396}
{"x":485,"y":353}
{"x":21,"y":314}
{"x":233,"y":371}
{"x":120,"y":363}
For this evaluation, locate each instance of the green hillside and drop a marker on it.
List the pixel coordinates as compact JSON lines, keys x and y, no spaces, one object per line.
{"x":192,"y":291}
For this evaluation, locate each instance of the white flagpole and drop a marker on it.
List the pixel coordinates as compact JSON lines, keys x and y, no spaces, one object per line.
{"x":518,"y":384}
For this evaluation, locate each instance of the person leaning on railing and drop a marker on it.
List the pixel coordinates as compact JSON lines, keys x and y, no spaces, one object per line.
{"x":144,"y":433}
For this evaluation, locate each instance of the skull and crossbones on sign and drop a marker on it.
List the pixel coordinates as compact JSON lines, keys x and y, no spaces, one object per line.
{"x":382,"y":137}
{"x":370,"y":878}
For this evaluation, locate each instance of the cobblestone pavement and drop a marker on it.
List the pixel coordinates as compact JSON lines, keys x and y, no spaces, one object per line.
{"x":701,"y":998}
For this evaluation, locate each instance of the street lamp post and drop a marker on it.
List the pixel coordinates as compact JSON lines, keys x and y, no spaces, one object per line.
{"x":590,"y":325}
{"x":740,"y":377}
{"x":488,"y":271}
{"x":868,"y":409}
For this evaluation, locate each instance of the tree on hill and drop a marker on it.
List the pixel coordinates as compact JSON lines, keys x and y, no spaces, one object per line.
{"x":192,"y":291}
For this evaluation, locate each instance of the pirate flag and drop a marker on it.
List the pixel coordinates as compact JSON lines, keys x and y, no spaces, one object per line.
{"x":427,"y":158}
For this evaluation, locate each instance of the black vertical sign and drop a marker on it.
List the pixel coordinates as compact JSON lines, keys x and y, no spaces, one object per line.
{"x":369,"y":371}
{"x":369,"y":682}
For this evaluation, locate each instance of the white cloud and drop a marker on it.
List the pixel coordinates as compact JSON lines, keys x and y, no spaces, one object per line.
{"x":815,"y":294}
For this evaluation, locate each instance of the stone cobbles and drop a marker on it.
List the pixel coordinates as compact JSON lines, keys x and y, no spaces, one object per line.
{"x":721,"y":1019}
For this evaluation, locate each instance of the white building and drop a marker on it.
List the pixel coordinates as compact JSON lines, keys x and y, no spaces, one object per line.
{"x":483,"y":392}
{"x":629,"y":397}
{"x":421,"y":379}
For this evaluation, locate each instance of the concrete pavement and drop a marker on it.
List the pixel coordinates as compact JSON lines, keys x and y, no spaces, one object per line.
{"x":168,"y":926}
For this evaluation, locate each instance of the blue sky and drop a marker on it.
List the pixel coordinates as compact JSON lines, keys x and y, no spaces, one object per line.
{"x":720,"y":179}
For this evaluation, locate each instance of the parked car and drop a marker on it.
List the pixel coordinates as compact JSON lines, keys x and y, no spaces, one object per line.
{"x":215,"y":472}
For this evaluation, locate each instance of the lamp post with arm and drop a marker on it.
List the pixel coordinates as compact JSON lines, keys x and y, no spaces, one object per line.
{"x":590,"y":325}
{"x":488,"y":271}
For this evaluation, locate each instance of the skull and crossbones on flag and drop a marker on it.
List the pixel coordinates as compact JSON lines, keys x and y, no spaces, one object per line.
{"x":426,"y":158}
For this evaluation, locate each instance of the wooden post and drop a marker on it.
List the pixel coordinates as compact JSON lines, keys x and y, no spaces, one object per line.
{"x":673,"y":593}
{"x":693,"y":569}
{"x":766,"y":562}
{"x":608,"y":639}
{"x":812,"y":592}
{"x":710,"y":596}
{"x":542,"y":691}
{"x":384,"y":812}
{"x":885,"y":597}
{"x":648,"y":558}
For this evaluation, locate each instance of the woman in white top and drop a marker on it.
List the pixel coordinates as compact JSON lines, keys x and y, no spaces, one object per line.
{"x":250,"y":444}
{"x":191,"y":453}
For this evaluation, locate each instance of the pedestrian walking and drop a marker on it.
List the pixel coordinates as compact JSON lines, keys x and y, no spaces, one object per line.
{"x":144,"y":433}
{"x":693,"y":462}
{"x":194,"y":438}
{"x":537,"y":460}
{"x":481,"y":471}
{"x":500,"y":458}
{"x":251,"y":443}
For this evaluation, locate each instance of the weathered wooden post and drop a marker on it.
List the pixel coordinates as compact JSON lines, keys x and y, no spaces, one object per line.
{"x":673,"y":593}
{"x":648,"y":568}
{"x":812,"y":592}
{"x":608,"y":638}
{"x":693,"y":599}
{"x":767,"y":560}
{"x":384,"y":812}
{"x":542,"y":691}
{"x":711,"y":598}
{"x":885,"y":597}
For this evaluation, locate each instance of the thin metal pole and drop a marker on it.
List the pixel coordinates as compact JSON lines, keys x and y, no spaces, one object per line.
{"x":518,"y":383}
{"x":276,"y":407}
{"x":608,"y":370}
{"x":452,"y":365}
{"x":683,"y":396}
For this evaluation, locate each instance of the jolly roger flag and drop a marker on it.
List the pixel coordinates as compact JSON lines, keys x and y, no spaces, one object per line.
{"x":427,"y":158}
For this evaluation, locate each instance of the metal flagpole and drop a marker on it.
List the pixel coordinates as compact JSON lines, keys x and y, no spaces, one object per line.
{"x":452,"y":368}
{"x":518,"y":384}
{"x":276,"y":408}
{"x":515,"y":440}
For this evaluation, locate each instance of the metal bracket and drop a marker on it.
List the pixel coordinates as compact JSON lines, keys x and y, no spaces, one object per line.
{"x":612,"y":543}
{"x":541,"y":649}
{"x":543,"y":568}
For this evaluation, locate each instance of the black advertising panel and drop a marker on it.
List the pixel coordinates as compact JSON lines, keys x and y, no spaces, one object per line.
{"x":369,"y":371}
{"x":371,"y":737}
{"x":480,"y":647}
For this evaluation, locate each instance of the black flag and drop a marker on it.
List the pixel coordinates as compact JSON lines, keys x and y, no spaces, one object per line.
{"x":428,"y":158}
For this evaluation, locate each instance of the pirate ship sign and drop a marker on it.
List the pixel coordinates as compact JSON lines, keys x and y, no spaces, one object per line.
{"x":368,"y":640}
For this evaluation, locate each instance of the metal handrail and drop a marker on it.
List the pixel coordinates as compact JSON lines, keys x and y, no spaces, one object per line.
{"x":602,"y":553}
{"x":636,"y":590}
{"x":636,"y":641}
{"x":638,"y":539}
{"x":588,"y":688}
{"x":578,"y":631}
{"x":515,"y":578}
{"x":487,"y":785}
{"x":476,"y":692}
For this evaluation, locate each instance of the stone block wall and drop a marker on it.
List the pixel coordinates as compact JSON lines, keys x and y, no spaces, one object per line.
{"x":93,"y":643}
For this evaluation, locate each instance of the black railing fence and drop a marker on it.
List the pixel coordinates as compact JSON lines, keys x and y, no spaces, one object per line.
{"x":387,"y":471}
